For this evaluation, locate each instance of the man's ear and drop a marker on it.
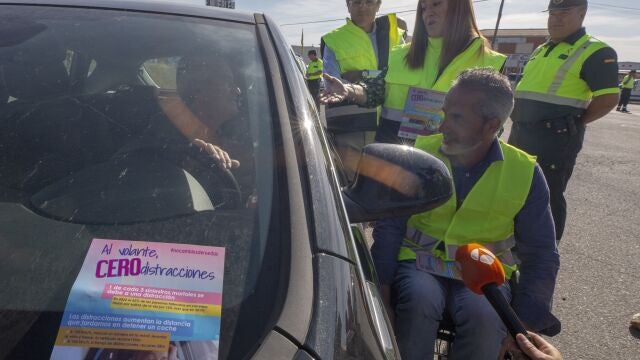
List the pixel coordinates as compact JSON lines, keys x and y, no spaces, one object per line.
{"x":492,"y":125}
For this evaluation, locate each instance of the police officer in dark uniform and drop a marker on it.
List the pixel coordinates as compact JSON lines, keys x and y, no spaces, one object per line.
{"x":569,"y":81}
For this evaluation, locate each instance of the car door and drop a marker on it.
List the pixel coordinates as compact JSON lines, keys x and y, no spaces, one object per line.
{"x":358,"y":329}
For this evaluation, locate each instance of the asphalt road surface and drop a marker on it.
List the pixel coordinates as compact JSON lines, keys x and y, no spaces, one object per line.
{"x":598,"y":287}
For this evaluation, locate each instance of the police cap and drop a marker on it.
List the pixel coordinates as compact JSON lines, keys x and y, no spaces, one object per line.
{"x":565,"y":4}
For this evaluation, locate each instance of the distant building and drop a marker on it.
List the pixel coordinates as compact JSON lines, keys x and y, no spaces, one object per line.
{"x":229,"y":4}
{"x":517,"y":44}
{"x":625,"y":66}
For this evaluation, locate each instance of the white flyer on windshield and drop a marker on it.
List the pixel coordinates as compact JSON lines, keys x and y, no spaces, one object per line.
{"x":143,"y":300}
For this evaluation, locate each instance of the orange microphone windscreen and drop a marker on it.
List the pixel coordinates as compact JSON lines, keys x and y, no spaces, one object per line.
{"x":479,"y":267}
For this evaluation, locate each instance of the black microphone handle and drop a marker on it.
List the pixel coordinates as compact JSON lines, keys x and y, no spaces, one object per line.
{"x":504,"y":310}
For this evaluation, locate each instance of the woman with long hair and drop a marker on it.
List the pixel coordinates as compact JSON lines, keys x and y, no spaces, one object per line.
{"x":445,"y":41}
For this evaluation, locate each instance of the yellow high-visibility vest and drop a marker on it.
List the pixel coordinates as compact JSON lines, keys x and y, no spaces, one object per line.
{"x":553,"y":75}
{"x":352,"y":45}
{"x":628,"y":82}
{"x":354,"y":52}
{"x":486,"y":216}
{"x":400,"y":77}
{"x":314,"y":66}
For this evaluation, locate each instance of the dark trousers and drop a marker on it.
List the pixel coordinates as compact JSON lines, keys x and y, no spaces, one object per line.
{"x":625,"y":95}
{"x":556,"y":143}
{"x":314,"y":89}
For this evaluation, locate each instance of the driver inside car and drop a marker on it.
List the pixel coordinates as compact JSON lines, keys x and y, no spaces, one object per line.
{"x":208,"y":98}
{"x":203,"y":112}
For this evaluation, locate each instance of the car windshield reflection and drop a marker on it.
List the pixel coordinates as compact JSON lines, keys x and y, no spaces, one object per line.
{"x":138,"y":127}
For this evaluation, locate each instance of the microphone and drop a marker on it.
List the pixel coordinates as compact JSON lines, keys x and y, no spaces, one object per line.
{"x":482,"y":273}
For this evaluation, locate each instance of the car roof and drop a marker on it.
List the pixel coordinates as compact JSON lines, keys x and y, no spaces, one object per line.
{"x":157,"y":6}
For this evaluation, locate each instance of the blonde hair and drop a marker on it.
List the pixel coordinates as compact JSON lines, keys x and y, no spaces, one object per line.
{"x":460,"y":29}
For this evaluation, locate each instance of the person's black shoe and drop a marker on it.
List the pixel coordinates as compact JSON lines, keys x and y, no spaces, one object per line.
{"x":617,"y":109}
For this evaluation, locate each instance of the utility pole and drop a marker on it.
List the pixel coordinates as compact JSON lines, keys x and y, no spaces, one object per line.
{"x":495,"y":32}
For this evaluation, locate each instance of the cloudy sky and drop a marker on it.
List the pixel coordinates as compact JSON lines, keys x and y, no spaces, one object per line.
{"x":616,"y":22}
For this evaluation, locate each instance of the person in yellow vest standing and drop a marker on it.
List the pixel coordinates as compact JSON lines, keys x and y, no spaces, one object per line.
{"x":627,"y":85}
{"x":445,"y":42}
{"x":314,"y":74}
{"x":501,"y":201}
{"x":360,"y":48}
{"x":569,"y":81}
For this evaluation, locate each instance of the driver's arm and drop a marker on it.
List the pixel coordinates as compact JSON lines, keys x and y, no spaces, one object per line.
{"x":538,"y":253}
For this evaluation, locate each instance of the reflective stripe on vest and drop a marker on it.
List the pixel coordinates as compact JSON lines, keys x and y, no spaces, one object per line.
{"x":553,"y":76}
{"x":508,"y":259}
{"x":564,"y":69}
{"x":391,"y":114}
{"x":554,"y":99}
{"x":400,"y":77}
{"x":486,"y":216}
{"x":417,"y":241}
{"x":426,"y":261}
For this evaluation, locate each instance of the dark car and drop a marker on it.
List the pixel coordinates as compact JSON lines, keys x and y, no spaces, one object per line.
{"x":115,"y":118}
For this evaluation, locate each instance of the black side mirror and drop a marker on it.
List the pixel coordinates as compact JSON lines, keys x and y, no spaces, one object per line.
{"x":396,"y":180}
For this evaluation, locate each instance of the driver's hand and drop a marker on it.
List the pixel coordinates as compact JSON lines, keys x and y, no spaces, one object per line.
{"x":221,"y":156}
{"x":521,"y":348}
{"x":334,"y":90}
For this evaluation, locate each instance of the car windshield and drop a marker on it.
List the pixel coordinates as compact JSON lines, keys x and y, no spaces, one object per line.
{"x":118,"y":210}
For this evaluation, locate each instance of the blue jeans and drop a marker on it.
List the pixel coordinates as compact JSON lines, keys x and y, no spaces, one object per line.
{"x":420,"y":302}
